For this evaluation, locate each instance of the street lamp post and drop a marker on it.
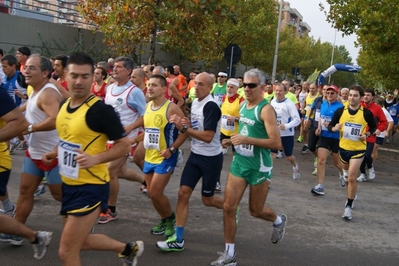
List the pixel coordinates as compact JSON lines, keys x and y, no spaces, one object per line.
{"x":277,"y":41}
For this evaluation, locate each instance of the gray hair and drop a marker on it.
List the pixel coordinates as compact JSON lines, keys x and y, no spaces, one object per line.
{"x":127,"y":62}
{"x":345,"y":89}
{"x":159,"y":69}
{"x":256,"y":73}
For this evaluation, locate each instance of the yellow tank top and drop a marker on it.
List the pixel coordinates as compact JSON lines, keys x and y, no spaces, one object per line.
{"x":230,"y":109}
{"x":74,"y":133}
{"x":5,"y":158}
{"x":309,"y":101}
{"x":352,"y":127}
{"x":159,"y":133}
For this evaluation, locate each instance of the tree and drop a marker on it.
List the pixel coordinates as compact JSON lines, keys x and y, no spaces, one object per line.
{"x":377,"y":25}
{"x":197,"y":29}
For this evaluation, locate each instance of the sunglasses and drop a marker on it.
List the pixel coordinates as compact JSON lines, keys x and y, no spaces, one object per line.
{"x":250,"y":85}
{"x":330,"y":93}
{"x":222,"y":77}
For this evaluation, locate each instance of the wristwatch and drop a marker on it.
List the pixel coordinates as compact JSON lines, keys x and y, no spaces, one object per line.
{"x":30,"y":128}
{"x":172,"y":149}
{"x":184,"y":129}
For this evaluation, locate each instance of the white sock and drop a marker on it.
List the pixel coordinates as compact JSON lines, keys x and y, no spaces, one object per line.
{"x":7,"y":205}
{"x":230,"y":249}
{"x":277,"y":221}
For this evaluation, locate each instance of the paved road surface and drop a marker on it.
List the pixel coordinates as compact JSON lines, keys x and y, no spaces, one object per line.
{"x":315,"y":235}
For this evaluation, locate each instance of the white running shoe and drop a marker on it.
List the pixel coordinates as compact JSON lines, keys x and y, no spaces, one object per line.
{"x":371,"y":173}
{"x":40,"y":248}
{"x":362,"y":178}
{"x":279,"y":155}
{"x":347,"y":213}
{"x":296,"y":175}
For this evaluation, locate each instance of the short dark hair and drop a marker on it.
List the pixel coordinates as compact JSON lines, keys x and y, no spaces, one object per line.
{"x":80,"y":58}
{"x":170,"y":70}
{"x":104,"y":72}
{"x":161,"y":78}
{"x":24,"y":50}
{"x":1,"y":52}
{"x":359,"y":89}
{"x":11,"y":60}
{"x":370,"y":91}
{"x":63,"y":58}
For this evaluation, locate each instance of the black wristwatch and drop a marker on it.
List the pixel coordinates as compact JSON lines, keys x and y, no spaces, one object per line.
{"x":172,"y":149}
{"x":184,"y":129}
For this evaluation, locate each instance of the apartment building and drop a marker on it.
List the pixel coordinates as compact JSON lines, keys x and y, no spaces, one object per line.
{"x":292,"y":18}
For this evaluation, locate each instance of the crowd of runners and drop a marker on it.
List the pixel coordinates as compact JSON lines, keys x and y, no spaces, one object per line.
{"x":81,"y":122}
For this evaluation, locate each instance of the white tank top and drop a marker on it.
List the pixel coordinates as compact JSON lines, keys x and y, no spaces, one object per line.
{"x":43,"y":141}
{"x":121,"y":107}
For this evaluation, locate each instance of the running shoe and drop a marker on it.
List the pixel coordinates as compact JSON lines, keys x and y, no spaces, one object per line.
{"x":14,"y":145}
{"x":224,"y":259}
{"x":171,"y":244}
{"x":362,"y":178}
{"x":9,"y":213}
{"x":180,"y":158}
{"x":279,"y":155}
{"x":144,"y":189}
{"x":44,"y":239}
{"x":347,"y":213}
{"x":342,"y":181}
{"x":218,"y":187}
{"x":318,"y":190}
{"x":296,"y":175}
{"x":315,"y":163}
{"x":305,"y":149}
{"x":300,"y":139}
{"x":314,"y":171}
{"x":13,"y":239}
{"x":137,"y":251}
{"x":169,"y":228}
{"x":107,"y":217}
{"x":159,"y":229}
{"x":39,"y":191}
{"x":371,"y":174}
{"x":279,"y":230}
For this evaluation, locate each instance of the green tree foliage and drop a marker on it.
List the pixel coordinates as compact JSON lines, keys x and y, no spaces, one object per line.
{"x":376,"y":24}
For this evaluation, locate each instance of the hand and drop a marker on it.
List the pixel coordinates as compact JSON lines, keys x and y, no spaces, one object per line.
{"x":318,"y":131}
{"x":377,"y":132}
{"x":85,"y":160}
{"x":231,"y":119}
{"x":362,"y":137}
{"x":127,"y":129}
{"x":226,"y":143}
{"x":177,"y":120}
{"x":20,"y":94}
{"x":303,"y":112}
{"x":49,"y":157}
{"x":166,"y":153}
{"x":238,"y":139}
{"x":282,"y":127}
{"x":337,"y":127}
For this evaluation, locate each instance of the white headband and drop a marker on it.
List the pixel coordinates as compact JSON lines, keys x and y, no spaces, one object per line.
{"x":233,"y":82}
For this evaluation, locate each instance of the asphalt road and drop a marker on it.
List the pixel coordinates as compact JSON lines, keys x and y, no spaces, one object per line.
{"x":315,"y":234}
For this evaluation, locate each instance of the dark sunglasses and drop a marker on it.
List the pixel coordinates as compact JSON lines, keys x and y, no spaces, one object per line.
{"x":250,"y":85}
{"x":222,"y":77}
{"x":330,"y":93}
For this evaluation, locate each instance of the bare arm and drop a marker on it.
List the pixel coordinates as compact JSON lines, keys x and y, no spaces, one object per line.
{"x":15,"y":124}
{"x":274,"y":140}
{"x":175,"y":94}
{"x":49,"y":102}
{"x":62,"y":90}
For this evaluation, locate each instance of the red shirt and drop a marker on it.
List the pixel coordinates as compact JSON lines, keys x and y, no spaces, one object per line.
{"x":63,"y":84}
{"x":101,"y":93}
{"x":379,"y":117}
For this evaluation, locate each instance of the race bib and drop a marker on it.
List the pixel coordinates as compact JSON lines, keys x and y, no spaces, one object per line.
{"x":323,"y":120}
{"x":226,"y":124}
{"x":67,"y":159}
{"x":246,"y":150}
{"x":218,"y":98}
{"x":352,"y":131}
{"x":278,"y":120}
{"x":151,"y":138}
{"x":317,"y":115}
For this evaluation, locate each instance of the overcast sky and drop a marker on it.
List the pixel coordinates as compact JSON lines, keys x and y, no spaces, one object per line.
{"x":316,"y":19}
